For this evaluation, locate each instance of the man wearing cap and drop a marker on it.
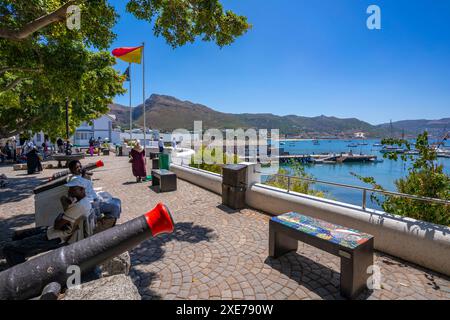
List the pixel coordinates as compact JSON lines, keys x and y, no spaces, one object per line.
{"x":107,"y":208}
{"x":37,"y":240}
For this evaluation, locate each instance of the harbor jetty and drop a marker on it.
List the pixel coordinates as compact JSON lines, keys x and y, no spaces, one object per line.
{"x":326,"y":158}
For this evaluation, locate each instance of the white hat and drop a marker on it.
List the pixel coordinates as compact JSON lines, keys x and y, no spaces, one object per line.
{"x":75,"y":182}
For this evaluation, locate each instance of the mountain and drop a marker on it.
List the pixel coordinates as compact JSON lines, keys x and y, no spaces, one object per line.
{"x":436,"y":128}
{"x":122,"y":114}
{"x":168,"y":113}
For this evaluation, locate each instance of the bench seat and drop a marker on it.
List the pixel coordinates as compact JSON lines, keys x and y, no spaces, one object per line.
{"x":355,"y":248}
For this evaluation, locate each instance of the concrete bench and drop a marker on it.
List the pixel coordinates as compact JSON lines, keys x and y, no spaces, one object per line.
{"x":67,"y":158}
{"x":353,"y":247}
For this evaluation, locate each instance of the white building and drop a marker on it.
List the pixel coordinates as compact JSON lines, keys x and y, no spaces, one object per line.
{"x":101,"y":127}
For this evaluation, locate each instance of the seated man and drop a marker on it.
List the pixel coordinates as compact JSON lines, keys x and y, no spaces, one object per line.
{"x":37,"y":240}
{"x":107,"y":208}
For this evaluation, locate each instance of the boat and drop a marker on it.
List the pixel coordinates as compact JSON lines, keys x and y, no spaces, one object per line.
{"x":352,"y":145}
{"x":377,"y":145}
{"x":392,"y":149}
{"x":442,"y":153}
{"x":316,"y":142}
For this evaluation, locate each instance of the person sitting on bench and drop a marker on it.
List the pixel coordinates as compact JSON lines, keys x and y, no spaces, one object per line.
{"x":107,"y":208}
{"x":42,"y":239}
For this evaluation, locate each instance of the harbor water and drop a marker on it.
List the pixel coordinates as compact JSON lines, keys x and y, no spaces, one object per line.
{"x":385,"y":173}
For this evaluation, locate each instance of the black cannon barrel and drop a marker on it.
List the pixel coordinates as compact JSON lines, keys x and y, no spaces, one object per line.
{"x":87,"y":167}
{"x":27,"y":280}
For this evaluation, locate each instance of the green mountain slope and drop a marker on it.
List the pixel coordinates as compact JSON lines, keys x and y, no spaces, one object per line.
{"x":168,"y":113}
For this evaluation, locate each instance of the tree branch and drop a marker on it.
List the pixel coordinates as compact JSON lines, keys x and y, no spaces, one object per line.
{"x":33,"y":26}
{"x":6,"y":69}
{"x":13,"y":84}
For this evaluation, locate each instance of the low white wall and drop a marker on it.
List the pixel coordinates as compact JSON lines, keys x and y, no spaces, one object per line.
{"x":201,"y":178}
{"x":423,"y":243}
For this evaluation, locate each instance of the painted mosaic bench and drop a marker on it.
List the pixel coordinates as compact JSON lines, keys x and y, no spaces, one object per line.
{"x":355,"y":248}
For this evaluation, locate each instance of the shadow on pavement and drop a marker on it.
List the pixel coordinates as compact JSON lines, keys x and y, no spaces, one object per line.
{"x":314,"y":276}
{"x":19,"y":189}
{"x":153,"y":250}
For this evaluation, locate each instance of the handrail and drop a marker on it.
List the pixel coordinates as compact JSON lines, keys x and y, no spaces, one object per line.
{"x":348,"y":186}
{"x":364,"y":189}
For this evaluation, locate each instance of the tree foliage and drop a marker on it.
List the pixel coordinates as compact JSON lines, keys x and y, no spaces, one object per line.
{"x":297,"y":185}
{"x":198,"y":160}
{"x":42,"y":62}
{"x":182,"y":21}
{"x":426,"y":178}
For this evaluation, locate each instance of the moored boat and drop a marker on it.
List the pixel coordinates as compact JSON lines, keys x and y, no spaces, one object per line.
{"x":392,"y":149}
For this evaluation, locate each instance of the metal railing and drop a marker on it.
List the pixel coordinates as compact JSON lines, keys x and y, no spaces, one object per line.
{"x":195,"y":166}
{"x":364,"y":190}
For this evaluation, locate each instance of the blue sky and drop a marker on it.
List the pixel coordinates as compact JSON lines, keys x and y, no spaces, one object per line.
{"x":308,"y":57}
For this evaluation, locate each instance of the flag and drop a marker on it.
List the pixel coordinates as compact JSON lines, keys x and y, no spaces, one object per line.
{"x":127,"y":74}
{"x":129,"y":54}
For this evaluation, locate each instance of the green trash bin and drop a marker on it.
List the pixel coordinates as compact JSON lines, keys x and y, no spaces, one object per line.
{"x":164,"y":161}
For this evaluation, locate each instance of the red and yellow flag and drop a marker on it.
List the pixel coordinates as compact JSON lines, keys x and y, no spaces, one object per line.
{"x":129,"y":54}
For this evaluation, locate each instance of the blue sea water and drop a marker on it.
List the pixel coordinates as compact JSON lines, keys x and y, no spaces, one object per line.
{"x":385,"y":173}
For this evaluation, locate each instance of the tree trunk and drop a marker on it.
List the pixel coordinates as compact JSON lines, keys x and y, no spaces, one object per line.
{"x":30,"y":28}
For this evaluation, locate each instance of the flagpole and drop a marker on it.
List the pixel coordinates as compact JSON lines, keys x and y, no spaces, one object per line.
{"x":143,"y":93}
{"x":131,"y":109}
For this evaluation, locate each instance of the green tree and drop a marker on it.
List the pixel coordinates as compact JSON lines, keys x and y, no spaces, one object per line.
{"x":297,"y":185}
{"x":178,"y":21}
{"x":38,"y":101}
{"x":42,"y":62}
{"x":425,"y":178}
{"x":197,"y":160}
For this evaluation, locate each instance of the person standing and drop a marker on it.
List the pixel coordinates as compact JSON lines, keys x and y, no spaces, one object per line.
{"x":60,"y":144}
{"x":91,"y":146}
{"x":33,"y":161}
{"x":161,"y":145}
{"x":45,"y":148}
{"x":3,"y":155}
{"x":174,"y":144}
{"x":99,"y":145}
{"x":138,"y":162}
{"x":68,"y":148}
{"x":7,"y":150}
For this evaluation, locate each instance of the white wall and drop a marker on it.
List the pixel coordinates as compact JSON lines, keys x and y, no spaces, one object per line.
{"x":423,"y":243}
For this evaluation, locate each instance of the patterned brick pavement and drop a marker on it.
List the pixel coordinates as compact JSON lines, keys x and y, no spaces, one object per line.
{"x":216,"y":253}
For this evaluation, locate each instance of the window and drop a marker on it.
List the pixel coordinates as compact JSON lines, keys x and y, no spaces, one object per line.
{"x":83,"y":135}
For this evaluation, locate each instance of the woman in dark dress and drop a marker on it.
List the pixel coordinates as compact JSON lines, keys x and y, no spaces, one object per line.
{"x":33,"y":161}
{"x":138,"y":162}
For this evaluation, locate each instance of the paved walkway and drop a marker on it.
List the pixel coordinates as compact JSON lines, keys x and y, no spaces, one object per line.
{"x":216,"y":253}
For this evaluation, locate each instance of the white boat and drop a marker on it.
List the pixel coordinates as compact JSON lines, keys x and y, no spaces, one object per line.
{"x":392,"y":149}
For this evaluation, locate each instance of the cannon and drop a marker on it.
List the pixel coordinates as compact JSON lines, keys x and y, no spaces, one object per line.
{"x":28,"y":279}
{"x":85,"y":168}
